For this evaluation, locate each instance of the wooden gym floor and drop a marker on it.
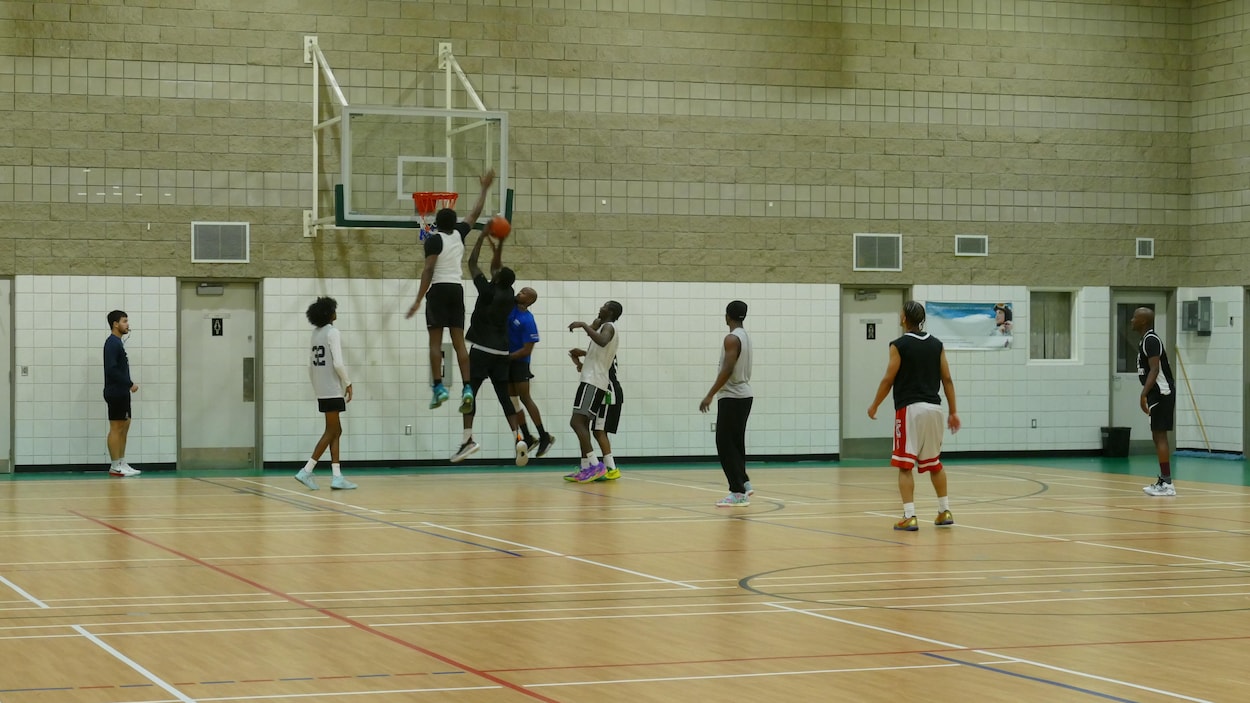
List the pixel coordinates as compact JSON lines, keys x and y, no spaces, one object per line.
{"x":1060,"y":582}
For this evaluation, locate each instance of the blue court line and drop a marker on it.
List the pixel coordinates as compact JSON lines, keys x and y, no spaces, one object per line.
{"x":1032,"y":678}
{"x":330,"y":509}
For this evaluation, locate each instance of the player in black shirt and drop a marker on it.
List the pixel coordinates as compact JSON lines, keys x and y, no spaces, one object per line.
{"x":488,"y":342}
{"x":1158,"y":395}
{"x":916,"y":368}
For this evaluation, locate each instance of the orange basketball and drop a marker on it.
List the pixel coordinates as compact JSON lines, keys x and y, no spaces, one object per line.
{"x":499,"y":227}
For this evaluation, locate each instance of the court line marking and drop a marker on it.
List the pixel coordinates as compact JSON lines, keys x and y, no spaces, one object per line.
{"x":22,"y":592}
{"x":1038,"y":679}
{"x":184,"y":698}
{"x":563,"y":556}
{"x":364,"y":627}
{"x":949,"y":645}
{"x":309,"y":495}
{"x":764,"y":674}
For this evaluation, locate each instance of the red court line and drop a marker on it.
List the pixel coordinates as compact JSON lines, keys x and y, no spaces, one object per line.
{"x":324,"y":611}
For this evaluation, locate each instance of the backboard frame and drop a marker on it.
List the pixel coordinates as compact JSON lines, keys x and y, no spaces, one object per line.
{"x":339,"y":126}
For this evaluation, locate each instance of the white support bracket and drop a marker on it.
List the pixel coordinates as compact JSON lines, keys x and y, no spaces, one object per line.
{"x":310,"y":43}
{"x":310,"y":224}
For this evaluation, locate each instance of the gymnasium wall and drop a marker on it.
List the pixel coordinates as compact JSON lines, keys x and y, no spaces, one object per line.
{"x":673,"y":157}
{"x":706,"y":141}
{"x":1218,"y":253}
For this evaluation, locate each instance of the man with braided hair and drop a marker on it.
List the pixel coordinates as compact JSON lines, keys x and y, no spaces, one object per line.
{"x":916,"y":368}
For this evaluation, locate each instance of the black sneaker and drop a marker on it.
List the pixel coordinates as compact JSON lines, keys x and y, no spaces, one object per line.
{"x":544,"y":445}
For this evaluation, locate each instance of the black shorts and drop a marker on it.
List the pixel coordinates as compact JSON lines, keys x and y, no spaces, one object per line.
{"x":519,"y":371}
{"x":119,"y":407}
{"x":331,"y":405}
{"x":444,"y":306}
{"x":608,"y":419}
{"x":484,"y":365}
{"x":1162,"y":412}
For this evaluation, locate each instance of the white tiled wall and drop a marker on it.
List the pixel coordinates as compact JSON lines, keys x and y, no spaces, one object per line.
{"x":670,"y":341}
{"x":1209,"y":374}
{"x":1000,"y":392}
{"x":60,"y":324}
{"x":670,"y":337}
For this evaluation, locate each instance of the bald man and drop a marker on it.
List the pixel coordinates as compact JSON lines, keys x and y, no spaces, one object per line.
{"x":1158,"y":396}
{"x":522,"y":336}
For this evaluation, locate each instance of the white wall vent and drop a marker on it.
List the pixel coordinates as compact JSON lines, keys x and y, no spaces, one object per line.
{"x":972,"y":245}
{"x":878,"y":252}
{"x":220,"y":242}
{"x":1145,"y":248}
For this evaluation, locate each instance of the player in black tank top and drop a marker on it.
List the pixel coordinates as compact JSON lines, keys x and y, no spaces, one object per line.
{"x":916,"y":368}
{"x":1158,"y":396}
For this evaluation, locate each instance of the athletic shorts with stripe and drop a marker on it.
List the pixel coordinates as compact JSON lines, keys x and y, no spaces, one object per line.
{"x":918,"y":430}
{"x":588,"y":400}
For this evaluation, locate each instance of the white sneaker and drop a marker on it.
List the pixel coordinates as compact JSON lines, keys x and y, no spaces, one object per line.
{"x":124,"y":470}
{"x":466,"y":450}
{"x":522,"y":453}
{"x":1160,"y":488}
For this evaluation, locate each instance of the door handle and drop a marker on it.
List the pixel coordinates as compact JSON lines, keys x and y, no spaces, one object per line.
{"x":249,"y":379}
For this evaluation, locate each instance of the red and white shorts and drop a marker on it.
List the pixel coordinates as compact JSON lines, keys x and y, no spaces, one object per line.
{"x":918,"y":430}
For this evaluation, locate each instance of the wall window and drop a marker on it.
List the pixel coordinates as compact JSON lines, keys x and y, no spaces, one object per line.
{"x":1050,"y":325}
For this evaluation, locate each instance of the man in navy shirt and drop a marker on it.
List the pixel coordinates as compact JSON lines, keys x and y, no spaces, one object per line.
{"x":117,"y":390}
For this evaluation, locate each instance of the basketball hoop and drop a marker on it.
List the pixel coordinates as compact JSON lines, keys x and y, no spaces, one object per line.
{"x":427,"y":204}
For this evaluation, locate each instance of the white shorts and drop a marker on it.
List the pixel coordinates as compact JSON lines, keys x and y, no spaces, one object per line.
{"x":918,"y":430}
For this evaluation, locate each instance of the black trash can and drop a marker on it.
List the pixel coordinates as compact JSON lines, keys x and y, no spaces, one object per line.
{"x":1115,"y":441}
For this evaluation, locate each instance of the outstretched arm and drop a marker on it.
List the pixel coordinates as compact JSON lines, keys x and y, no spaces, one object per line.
{"x":733,"y":348}
{"x":474,"y":269}
{"x":486,"y":179}
{"x":496,"y":259}
{"x":427,"y":276}
{"x":600,"y":336}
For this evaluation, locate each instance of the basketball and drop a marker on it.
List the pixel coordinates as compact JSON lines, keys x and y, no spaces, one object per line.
{"x":499,"y":226}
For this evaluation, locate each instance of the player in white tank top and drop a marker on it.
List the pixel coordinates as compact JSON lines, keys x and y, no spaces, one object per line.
{"x":444,"y":255}
{"x":733,"y":409}
{"x":594,"y":385}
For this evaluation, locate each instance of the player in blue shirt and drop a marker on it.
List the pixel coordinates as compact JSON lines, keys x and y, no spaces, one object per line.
{"x":522,"y":336}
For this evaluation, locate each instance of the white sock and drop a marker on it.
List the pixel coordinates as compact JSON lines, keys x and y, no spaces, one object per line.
{"x":468,"y":434}
{"x":591,"y":459}
{"x":909,"y":510}
{"x":608,"y":461}
{"x":336,"y":470}
{"x":585,"y":463}
{"x":944,"y":503}
{"x":308,"y":467}
{"x":115,"y":463}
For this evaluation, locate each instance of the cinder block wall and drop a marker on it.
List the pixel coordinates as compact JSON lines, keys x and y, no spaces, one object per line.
{"x":732,"y":140}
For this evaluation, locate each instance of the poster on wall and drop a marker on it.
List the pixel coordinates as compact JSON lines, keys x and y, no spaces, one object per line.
{"x":970,"y":325}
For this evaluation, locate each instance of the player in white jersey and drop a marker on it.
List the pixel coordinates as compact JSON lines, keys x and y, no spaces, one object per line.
{"x":594,"y":386}
{"x":440,"y":279}
{"x":733,"y":409}
{"x":333,"y":389}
